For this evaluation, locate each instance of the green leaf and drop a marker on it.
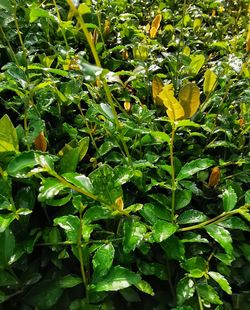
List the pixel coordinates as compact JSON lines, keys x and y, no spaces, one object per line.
{"x":79,"y":180}
{"x":160,"y":137}
{"x":196,"y":63}
{"x":196,"y":266}
{"x":71,"y":225}
{"x":118,"y":278}
{"x":186,"y":123}
{"x":185,"y":290}
{"x":70,"y":281}
{"x":222,"y":236}
{"x":6,"y":279}
{"x":191,"y":217}
{"x":163,"y":230}
{"x":49,"y":189}
{"x":247,"y":197}
{"x":183,"y":199}
{"x":173,"y":248}
{"x":153,"y":212}
{"x":20,"y":166}
{"x":208,"y":293}
{"x":44,"y":294}
{"x":221,"y":280}
{"x":234,"y":222}
{"x":229,"y":199}
{"x":7,"y":246}
{"x":193,"y":167}
{"x":134,"y":232}
{"x":36,"y":13}
{"x":6,"y":220}
{"x":156,"y":269}
{"x":103,"y":260}
{"x":8,"y":135}
{"x":145,"y":287}
{"x":96,"y":213}
{"x":6,"y":4}
{"x":209,"y":81}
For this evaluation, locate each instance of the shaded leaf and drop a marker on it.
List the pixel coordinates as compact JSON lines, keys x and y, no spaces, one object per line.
{"x":7,"y":246}
{"x":196,"y":266}
{"x":229,"y":199}
{"x":193,"y":167}
{"x":208,"y":293}
{"x":191,"y":217}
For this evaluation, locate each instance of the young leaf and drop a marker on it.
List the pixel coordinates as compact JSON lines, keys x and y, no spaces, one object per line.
{"x":157,"y":86}
{"x":196,"y":63}
{"x":102,"y":260}
{"x":155,"y":25}
{"x":8,"y":135}
{"x":222,"y":236}
{"x":134,"y":232}
{"x":193,"y":167}
{"x":185,"y":290}
{"x":221,"y":280}
{"x":209,"y":81}
{"x":144,"y":287}
{"x":189,"y":97}
{"x":229,"y":199}
{"x":174,"y":109}
{"x":118,"y":278}
{"x":196,"y":266}
{"x":163,"y":230}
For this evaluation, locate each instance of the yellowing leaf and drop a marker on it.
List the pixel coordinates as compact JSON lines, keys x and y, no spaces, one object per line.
{"x":157,"y":86}
{"x":189,"y":98}
{"x":196,"y":64}
{"x":174,"y":109}
{"x":209,"y":81}
{"x":155,"y":25}
{"x":8,"y":135}
{"x":248,"y":40}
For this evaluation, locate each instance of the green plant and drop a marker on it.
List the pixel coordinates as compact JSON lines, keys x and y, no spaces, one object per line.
{"x":124,"y":155}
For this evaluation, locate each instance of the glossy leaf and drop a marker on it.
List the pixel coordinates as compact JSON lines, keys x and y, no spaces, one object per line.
{"x":229,"y":199}
{"x":79,"y":180}
{"x":6,"y":220}
{"x":208,"y":293}
{"x":134,"y":232}
{"x":193,"y":167}
{"x":221,"y":280}
{"x":70,"y":281}
{"x":71,"y":226}
{"x":118,"y":278}
{"x":7,"y":245}
{"x":185,"y":290}
{"x":222,"y":236}
{"x":8,"y":135}
{"x":163,"y":230}
{"x":145,"y":287}
{"x":183,"y":199}
{"x":50,"y":188}
{"x":191,"y":217}
{"x":102,"y":260}
{"x":156,"y":269}
{"x":209,"y":81}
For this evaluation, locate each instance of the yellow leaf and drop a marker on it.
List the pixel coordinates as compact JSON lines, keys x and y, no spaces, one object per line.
{"x":209,"y":81}
{"x":174,"y":109}
{"x":248,"y":39}
{"x":157,"y":86}
{"x":155,"y":25}
{"x":189,"y":97}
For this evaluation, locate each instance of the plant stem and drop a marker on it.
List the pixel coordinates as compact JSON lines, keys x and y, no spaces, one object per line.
{"x":60,"y":20}
{"x":214,"y":220}
{"x":171,"y":147}
{"x":79,"y":247}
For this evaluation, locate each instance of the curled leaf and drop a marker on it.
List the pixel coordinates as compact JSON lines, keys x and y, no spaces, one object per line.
{"x":155,"y":26}
{"x":40,"y":142}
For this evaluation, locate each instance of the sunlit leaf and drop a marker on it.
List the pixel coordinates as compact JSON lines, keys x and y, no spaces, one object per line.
{"x":229,"y":199}
{"x":8,"y":135}
{"x":196,"y":63}
{"x":189,"y":98}
{"x":209,"y":81}
{"x":157,"y":86}
{"x":221,"y":280}
{"x":155,"y":26}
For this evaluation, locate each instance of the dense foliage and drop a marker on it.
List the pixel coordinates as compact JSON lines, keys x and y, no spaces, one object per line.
{"x":124,"y":154}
